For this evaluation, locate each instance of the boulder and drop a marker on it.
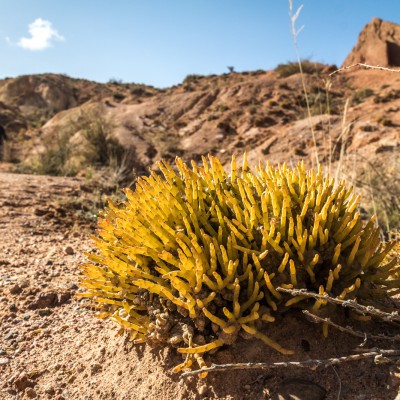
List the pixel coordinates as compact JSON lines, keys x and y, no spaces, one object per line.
{"x":378,"y":44}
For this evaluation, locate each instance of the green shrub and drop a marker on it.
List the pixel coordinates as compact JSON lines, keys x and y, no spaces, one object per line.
{"x":360,"y":95}
{"x":54,"y":159}
{"x":291,"y":68}
{"x":192,"y":78}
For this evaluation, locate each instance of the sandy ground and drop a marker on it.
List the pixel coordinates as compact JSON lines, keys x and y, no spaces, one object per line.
{"x":51,"y":346}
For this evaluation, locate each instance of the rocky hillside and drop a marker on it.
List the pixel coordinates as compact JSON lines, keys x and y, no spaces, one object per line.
{"x":260,"y":112}
{"x":62,"y":126}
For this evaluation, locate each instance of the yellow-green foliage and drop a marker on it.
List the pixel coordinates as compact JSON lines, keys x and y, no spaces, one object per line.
{"x":193,"y":258}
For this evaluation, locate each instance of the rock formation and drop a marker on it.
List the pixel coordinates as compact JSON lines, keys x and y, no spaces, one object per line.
{"x":378,"y":44}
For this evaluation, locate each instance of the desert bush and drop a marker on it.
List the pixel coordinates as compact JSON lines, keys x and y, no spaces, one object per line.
{"x":385,"y":121}
{"x":54,"y":159}
{"x":118,"y":96}
{"x":262,"y":121}
{"x":102,"y":148}
{"x":115,"y":81}
{"x":221,"y":107}
{"x":195,"y":258}
{"x":360,"y":95}
{"x":192,"y":78}
{"x":390,"y":96}
{"x":292,"y":67}
{"x":381,"y":184}
{"x":8,"y":152}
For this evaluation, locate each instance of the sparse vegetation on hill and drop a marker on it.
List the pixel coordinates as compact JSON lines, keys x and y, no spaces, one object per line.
{"x":217,"y":115}
{"x":293,"y":67}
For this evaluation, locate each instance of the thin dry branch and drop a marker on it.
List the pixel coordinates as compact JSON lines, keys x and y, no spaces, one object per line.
{"x":370,"y":310}
{"x":366,"y":66}
{"x":379,"y":355}
{"x":350,"y":330}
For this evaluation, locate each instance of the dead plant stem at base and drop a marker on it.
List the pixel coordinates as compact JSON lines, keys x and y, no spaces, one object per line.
{"x":351,"y":331}
{"x":378,"y":355}
{"x":393,"y":316}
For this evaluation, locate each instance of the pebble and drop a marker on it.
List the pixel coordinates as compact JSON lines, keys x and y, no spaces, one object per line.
{"x":15,"y":289}
{"x":31,"y":393}
{"x":49,"y":299}
{"x":95,"y":368}
{"x":24,"y":283}
{"x":4,"y":360}
{"x":11,"y":335}
{"x":49,"y":389}
{"x":202,"y":390}
{"x":22,"y":381}
{"x":43,"y":312}
{"x":69,"y":250}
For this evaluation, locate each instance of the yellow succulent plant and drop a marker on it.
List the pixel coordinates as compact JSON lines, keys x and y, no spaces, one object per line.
{"x":194,"y":257}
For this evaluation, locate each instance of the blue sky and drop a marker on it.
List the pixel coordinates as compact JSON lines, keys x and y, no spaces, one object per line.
{"x":159,"y":42}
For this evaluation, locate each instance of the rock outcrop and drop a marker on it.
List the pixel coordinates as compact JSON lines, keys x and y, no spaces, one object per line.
{"x":378,"y":44}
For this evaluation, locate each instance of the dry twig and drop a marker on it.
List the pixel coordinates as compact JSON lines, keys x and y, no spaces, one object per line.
{"x":379,"y":355}
{"x":393,"y":316}
{"x":351,"y":331}
{"x":361,"y":65}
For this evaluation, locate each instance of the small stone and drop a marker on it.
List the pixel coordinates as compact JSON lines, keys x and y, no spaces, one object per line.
{"x":202,"y":390}
{"x":4,"y":361}
{"x":24,"y":283}
{"x":10,"y":316}
{"x":25,"y":316}
{"x":22,"y":382}
{"x":15,"y":289}
{"x":49,"y":299}
{"x":12,"y":307}
{"x":31,"y":393}
{"x":69,"y":250}
{"x":95,"y":368}
{"x":43,"y":312}
{"x":11,"y":335}
{"x":80,"y":367}
{"x":49,"y":389}
{"x":63,"y":298}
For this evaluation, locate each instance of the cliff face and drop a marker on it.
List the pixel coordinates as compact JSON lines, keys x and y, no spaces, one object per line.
{"x":378,"y":44}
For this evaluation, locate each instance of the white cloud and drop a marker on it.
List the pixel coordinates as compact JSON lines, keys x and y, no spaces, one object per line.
{"x":42,"y":34}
